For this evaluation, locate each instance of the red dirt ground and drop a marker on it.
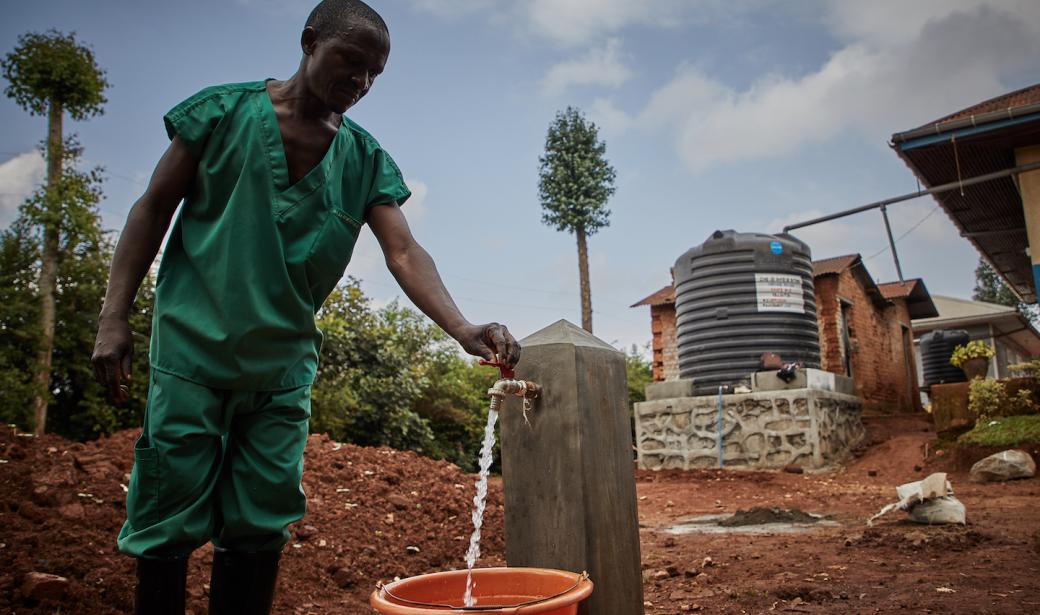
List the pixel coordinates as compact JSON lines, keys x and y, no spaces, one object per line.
{"x":61,"y":505}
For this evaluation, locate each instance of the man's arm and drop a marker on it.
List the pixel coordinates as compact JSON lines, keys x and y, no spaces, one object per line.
{"x":417,"y":274}
{"x":145,"y":228}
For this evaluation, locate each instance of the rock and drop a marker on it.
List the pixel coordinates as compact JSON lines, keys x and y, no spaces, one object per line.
{"x":306,"y":532}
{"x":399,"y":501}
{"x":71,"y":511}
{"x":791,"y":469}
{"x":661,"y":574}
{"x":43,"y":586}
{"x":344,"y":578}
{"x":916,"y":538}
{"x":1003,"y":466}
{"x":412,"y":549}
{"x":707,"y":563}
{"x":672,"y":570}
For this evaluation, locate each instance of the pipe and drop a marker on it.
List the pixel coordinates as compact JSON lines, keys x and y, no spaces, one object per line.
{"x":718,"y":428}
{"x":892,"y":242}
{"x":978,"y":179}
{"x":521,"y":388}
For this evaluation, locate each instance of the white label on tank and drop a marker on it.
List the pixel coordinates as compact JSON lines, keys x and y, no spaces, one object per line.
{"x":779,"y":292}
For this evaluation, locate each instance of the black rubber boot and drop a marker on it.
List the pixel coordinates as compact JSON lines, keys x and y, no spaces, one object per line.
{"x":160,"y":586}
{"x":242,"y":583}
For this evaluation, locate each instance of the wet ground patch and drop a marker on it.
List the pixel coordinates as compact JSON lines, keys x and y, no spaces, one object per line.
{"x":757,"y":520}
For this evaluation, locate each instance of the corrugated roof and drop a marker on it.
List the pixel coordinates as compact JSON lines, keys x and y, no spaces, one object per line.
{"x":833,"y":265}
{"x":918,"y":300}
{"x":897,"y":290}
{"x":665,"y":295}
{"x":975,"y":141}
{"x":952,"y":308}
{"x":1019,"y":98}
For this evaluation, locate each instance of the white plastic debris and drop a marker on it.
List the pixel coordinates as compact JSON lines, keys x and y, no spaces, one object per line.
{"x":927,"y":501}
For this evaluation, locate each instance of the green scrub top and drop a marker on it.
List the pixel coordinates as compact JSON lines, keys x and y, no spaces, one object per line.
{"x":250,"y":258}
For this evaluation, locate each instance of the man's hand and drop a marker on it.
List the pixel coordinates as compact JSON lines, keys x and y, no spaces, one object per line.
{"x":491,"y":341}
{"x":113,"y":352}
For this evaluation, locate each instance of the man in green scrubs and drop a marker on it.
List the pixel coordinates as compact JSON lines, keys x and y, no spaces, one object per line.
{"x":276,"y":185}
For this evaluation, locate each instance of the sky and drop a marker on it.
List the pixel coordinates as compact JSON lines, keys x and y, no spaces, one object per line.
{"x":717,"y":114}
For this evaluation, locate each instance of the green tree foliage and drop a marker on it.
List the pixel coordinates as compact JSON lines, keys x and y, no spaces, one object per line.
{"x":76,"y":405}
{"x":989,"y":287}
{"x":51,"y":73}
{"x":53,"y":68}
{"x":574,"y":183}
{"x":640,"y":373}
{"x":390,"y":377}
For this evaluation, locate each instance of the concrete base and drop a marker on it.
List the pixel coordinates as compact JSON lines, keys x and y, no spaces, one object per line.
{"x":669,"y":389}
{"x":804,"y":379}
{"x":806,"y":427}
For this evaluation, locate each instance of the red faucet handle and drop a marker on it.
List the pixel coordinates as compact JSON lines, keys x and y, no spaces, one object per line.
{"x":502,"y":369}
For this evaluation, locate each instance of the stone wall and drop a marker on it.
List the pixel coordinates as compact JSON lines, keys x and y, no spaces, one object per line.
{"x":804,"y":427}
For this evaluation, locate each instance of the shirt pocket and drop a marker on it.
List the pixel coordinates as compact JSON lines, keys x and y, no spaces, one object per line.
{"x":330,"y":253}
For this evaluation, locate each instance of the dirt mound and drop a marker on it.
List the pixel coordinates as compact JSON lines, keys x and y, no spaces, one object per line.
{"x":373,"y":514}
{"x":913,"y":538}
{"x":760,"y":515}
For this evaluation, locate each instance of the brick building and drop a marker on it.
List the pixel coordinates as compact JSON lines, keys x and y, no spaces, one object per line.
{"x":865,"y":331}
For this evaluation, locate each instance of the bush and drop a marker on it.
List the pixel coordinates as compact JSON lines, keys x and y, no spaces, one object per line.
{"x":989,"y":398}
{"x":986,"y":398}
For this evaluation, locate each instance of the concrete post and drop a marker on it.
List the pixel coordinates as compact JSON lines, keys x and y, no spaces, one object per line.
{"x":570,"y":499}
{"x":1029,"y":188}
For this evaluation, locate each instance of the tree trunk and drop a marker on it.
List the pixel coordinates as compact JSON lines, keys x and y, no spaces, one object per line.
{"x":48,"y":268}
{"x":583,"y":275}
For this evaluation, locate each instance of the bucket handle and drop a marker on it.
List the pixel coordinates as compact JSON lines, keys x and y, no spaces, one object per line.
{"x":484,"y":607}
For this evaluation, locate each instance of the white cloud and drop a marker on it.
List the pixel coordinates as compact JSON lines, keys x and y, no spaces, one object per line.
{"x":580,"y":21}
{"x":877,"y":84}
{"x":599,"y":66}
{"x":19,"y":176}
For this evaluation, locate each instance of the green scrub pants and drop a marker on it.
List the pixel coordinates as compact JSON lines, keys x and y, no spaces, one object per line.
{"x":216,"y":465}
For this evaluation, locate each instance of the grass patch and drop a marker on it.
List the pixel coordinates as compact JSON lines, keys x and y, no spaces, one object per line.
{"x":1005,"y":431}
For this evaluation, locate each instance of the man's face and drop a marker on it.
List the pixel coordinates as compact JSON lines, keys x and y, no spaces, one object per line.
{"x":341,"y":69}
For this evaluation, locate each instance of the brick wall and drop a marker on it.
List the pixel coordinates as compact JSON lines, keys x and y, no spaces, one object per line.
{"x":878,"y":348}
{"x":665,"y":345}
{"x":876,"y":343}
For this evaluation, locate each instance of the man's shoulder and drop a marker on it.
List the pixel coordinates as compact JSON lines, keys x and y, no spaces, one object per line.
{"x":360,"y":132}
{"x":224,"y":90}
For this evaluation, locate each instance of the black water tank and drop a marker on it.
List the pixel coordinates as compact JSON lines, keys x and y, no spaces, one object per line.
{"x":936,"y":349}
{"x":738,"y":296}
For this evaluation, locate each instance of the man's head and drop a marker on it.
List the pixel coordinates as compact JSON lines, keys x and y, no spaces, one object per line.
{"x":345,"y":46}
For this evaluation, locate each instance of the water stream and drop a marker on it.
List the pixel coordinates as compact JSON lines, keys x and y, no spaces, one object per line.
{"x":473,"y":553}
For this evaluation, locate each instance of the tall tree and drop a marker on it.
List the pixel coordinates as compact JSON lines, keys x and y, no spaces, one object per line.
{"x":52,"y":74}
{"x":990,"y":288}
{"x":77,"y":407}
{"x":574,"y":182}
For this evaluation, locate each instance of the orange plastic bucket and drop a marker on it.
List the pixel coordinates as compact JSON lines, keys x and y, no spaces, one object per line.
{"x":520,"y":591}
